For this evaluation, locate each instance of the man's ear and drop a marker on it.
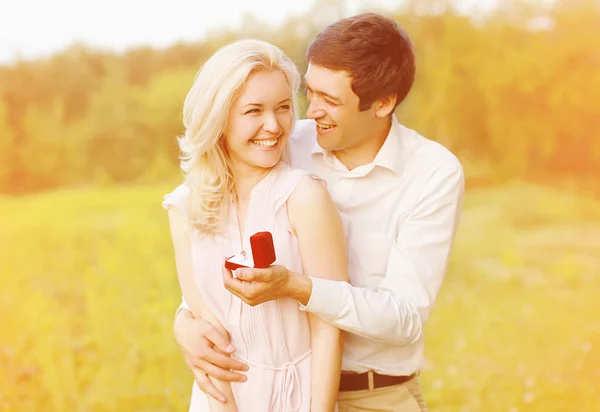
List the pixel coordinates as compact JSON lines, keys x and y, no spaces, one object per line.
{"x":385,"y":106}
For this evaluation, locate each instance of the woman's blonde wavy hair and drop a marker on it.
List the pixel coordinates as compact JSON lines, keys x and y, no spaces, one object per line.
{"x":204,"y":159}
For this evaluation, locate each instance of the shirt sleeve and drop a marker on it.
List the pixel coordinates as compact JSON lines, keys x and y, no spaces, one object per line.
{"x":396,"y":312}
{"x":177,"y":198}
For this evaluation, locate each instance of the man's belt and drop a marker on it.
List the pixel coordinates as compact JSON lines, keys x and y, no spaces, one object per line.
{"x":360,"y":381}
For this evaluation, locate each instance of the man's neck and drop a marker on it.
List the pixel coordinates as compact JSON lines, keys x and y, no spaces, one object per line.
{"x":366,"y":152}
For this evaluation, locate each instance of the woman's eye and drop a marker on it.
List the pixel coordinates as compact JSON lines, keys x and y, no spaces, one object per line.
{"x":252,"y":111}
{"x":285,"y":107}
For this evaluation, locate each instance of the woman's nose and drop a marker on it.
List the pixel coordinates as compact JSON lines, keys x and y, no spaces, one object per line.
{"x":271,"y":124}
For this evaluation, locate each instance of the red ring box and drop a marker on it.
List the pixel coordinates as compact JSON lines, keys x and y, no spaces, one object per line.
{"x":263,"y":253}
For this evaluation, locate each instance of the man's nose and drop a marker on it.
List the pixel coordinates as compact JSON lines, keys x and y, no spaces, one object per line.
{"x":314,"y":110}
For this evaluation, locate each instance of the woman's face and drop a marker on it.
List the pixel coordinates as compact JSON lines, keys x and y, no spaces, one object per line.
{"x":260,"y":121}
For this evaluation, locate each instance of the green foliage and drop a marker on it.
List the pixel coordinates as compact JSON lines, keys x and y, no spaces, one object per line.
{"x":514,"y":93}
{"x":87,"y":302}
{"x":88,"y":293}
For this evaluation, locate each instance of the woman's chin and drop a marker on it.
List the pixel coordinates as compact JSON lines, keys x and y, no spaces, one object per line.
{"x":268,"y":163}
{"x":266,"y":160}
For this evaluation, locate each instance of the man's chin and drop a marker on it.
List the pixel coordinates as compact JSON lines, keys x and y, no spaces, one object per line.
{"x":327,"y":142}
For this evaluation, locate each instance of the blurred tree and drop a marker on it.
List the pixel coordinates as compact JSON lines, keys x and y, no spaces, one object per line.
{"x":141,"y":64}
{"x":118,"y":144}
{"x":161,"y":105}
{"x":512,"y":90}
{"x":43,"y":154}
{"x":7,"y":148}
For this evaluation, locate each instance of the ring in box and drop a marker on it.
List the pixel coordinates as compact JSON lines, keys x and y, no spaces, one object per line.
{"x":263,"y":253}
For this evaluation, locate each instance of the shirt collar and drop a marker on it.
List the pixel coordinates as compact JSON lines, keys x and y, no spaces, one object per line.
{"x":388,"y":157}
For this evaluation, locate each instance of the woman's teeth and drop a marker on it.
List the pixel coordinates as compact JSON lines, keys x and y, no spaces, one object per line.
{"x":265,"y":143}
{"x":322,"y":127}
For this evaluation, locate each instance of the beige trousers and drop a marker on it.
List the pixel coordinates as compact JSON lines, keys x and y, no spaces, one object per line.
{"x":405,"y":397}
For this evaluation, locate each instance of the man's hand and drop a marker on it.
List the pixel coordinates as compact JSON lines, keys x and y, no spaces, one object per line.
{"x":256,"y":286}
{"x":206,"y":352}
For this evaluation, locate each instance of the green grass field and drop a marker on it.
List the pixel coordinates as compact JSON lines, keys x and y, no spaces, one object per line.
{"x":88,"y":292}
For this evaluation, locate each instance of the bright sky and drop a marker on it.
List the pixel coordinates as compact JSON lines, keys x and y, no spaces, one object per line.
{"x":34,"y":28}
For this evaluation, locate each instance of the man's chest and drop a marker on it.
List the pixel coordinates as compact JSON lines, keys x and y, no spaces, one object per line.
{"x":374,"y":208}
{"x":377,"y":203}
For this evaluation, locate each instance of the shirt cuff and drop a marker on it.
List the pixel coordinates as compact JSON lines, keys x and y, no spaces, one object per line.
{"x":325,"y":298}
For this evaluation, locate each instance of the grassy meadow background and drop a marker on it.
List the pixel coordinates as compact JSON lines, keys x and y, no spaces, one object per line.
{"x":88,"y":287}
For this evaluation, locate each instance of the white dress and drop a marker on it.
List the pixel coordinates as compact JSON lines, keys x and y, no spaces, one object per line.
{"x":272,"y":338}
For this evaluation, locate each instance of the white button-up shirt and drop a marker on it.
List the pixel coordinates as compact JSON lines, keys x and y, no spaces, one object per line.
{"x":401,"y":213}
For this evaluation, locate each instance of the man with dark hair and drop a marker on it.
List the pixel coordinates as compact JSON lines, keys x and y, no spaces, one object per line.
{"x":381,"y":61}
{"x":400,"y":196}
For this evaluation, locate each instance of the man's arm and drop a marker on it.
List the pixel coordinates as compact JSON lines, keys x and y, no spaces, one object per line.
{"x":205,"y":352}
{"x":415,"y":271}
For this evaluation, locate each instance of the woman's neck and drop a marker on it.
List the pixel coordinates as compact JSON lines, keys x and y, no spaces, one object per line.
{"x":245,"y":178}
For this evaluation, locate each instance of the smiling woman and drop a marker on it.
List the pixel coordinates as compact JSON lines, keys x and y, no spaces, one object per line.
{"x":238,"y":118}
{"x":260,"y":121}
{"x":242,"y":96}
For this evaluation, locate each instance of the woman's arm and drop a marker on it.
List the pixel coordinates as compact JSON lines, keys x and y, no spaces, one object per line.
{"x":318,"y":226}
{"x":189,"y":289}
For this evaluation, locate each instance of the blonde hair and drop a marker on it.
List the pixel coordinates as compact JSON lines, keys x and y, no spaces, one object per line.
{"x":206,"y":109}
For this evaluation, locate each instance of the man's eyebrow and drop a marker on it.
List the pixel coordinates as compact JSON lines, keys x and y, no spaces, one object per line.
{"x":330,"y":97}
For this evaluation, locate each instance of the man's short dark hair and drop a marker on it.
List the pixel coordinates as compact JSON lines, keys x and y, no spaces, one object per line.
{"x":375,"y":51}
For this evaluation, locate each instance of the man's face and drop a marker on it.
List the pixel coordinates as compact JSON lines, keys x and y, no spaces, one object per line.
{"x":333,"y":104}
